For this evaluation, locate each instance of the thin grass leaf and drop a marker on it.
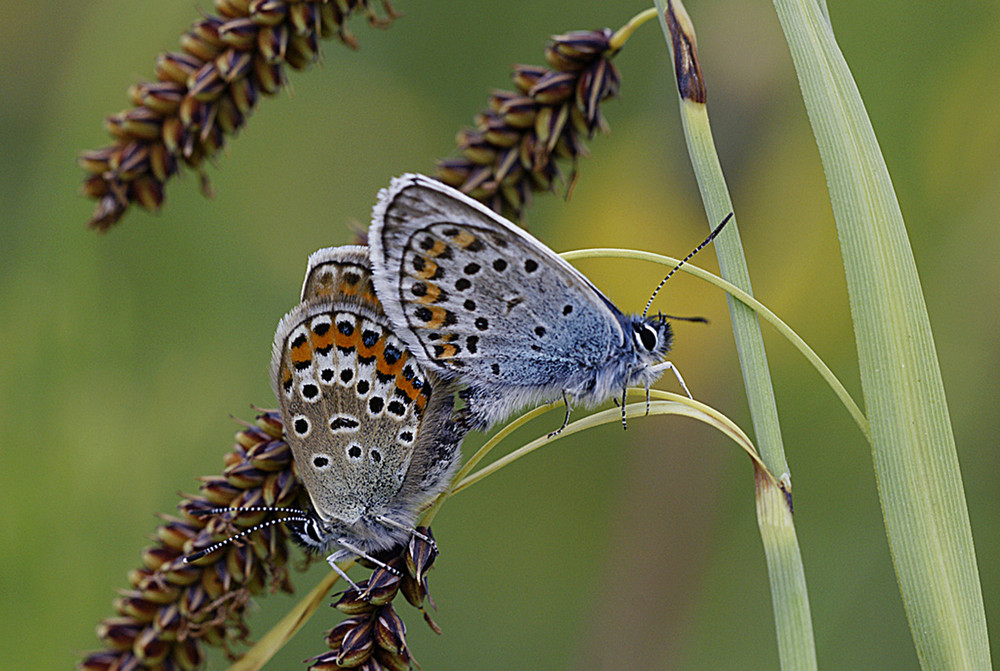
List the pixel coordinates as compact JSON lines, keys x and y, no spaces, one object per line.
{"x":790,"y":599}
{"x":762,"y":310}
{"x":262,"y":651}
{"x":913,"y":446}
{"x":667,"y":404}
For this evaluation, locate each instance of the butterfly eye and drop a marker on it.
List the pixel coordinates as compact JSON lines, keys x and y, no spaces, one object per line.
{"x":645,"y":336}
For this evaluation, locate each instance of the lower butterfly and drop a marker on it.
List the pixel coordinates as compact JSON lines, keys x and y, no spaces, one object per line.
{"x":370,"y":429}
{"x":480,"y":301}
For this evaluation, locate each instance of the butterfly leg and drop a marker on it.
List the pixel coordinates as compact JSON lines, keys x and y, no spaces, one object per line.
{"x":667,"y":365}
{"x":332,"y":561}
{"x":624,"y":424}
{"x":343,"y":542}
{"x":405,"y":527}
{"x":566,"y":419}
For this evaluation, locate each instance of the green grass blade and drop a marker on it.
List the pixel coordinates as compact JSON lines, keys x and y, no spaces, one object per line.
{"x":913,"y":446}
{"x":789,"y":596}
{"x":733,"y":266}
{"x":264,"y":649}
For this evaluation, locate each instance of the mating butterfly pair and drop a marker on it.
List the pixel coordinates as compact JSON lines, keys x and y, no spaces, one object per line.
{"x":454,"y":296}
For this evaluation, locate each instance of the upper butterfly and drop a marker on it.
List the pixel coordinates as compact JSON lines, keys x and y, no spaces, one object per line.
{"x":369,"y":429}
{"x":478,"y":299}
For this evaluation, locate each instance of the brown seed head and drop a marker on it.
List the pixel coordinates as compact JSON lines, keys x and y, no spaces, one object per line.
{"x":173,"y":609}
{"x":513,"y":148}
{"x":205,"y":92}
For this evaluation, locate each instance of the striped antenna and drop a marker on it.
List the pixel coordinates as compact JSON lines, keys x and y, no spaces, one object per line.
{"x":295,"y":516}
{"x":711,"y":236}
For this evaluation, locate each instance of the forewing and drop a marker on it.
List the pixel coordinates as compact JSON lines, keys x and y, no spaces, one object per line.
{"x":338,"y":272}
{"x":478,"y":297}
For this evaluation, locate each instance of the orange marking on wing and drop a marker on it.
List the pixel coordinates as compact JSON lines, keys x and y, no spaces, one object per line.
{"x":437,"y":320}
{"x":383,"y":366}
{"x":463,"y":239}
{"x":351,"y":283}
{"x":429,"y":270}
{"x":347,"y":341}
{"x":447,"y":351}
{"x":301,"y":353}
{"x":414,"y":394}
{"x":439,"y":248}
{"x":369,"y":295}
{"x":322,"y":341}
{"x":422,"y":396}
{"x":377,"y":350}
{"x":323,"y":283}
{"x":432,"y":295}
{"x":406,"y":386}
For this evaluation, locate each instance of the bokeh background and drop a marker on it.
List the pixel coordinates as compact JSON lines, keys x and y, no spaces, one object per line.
{"x":123,"y":355}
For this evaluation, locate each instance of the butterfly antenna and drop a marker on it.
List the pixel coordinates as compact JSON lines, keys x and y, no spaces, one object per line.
{"x":711,"y":236}
{"x":675,"y":318}
{"x":296,"y":516}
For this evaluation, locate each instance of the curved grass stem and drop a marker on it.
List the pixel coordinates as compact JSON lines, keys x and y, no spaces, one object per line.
{"x":763,"y":311}
{"x":265,"y":648}
{"x":667,"y":404}
{"x":621,"y":36}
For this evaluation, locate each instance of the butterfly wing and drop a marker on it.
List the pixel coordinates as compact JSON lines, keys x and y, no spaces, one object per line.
{"x":480,"y":299}
{"x":367,"y":427}
{"x":337,"y":272}
{"x":352,"y":403}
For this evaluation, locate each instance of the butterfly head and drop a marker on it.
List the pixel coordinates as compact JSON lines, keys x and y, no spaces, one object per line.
{"x":651,"y":338}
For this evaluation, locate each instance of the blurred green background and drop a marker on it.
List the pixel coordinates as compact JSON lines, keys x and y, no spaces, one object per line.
{"x":123,"y":355}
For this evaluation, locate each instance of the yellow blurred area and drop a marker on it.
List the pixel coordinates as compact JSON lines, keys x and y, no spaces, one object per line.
{"x":122,"y":356}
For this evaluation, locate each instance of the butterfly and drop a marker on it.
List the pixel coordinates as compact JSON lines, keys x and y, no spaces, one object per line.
{"x":369,"y":427}
{"x":480,"y":301}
